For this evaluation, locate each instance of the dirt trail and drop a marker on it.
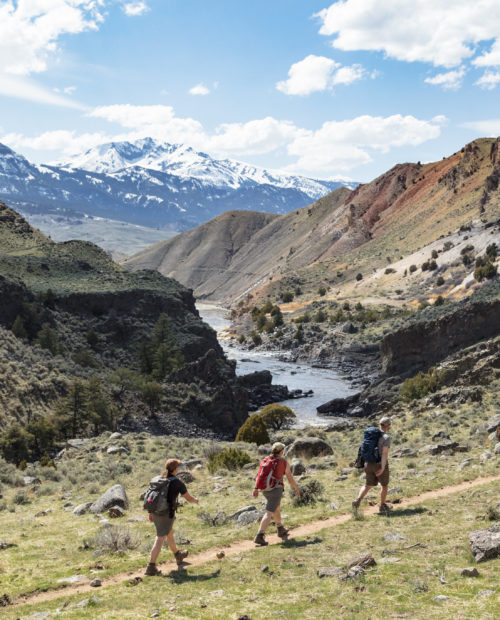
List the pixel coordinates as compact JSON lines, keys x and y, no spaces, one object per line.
{"x":243,"y":546}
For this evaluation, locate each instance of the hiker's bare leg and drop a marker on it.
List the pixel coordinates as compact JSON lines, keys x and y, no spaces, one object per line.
{"x":383,"y":494}
{"x":266,"y":520}
{"x":363,"y":491}
{"x":155,"y":551}
{"x":171,"y":542}
{"x":277,"y":516}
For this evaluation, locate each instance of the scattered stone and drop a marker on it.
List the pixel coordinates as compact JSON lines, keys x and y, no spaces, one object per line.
{"x":216,"y":593}
{"x":392,"y":537}
{"x":30,"y":480}
{"x":77,"y":444}
{"x":485,"y":456}
{"x":335,"y":571}
{"x":186,"y":477}
{"x":345,"y":471}
{"x":115,"y":436}
{"x":441,"y":597}
{"x":250,"y":517}
{"x":395,"y":491}
{"x":264,"y":569}
{"x":220,"y":554}
{"x":68,"y":505}
{"x":297,"y":467}
{"x":191,"y":463}
{"x":117,"y":450}
{"x":264,"y":450}
{"x":43,"y":513}
{"x":403,"y":452}
{"x":6,"y":545}
{"x":115,"y":512}
{"x":93,"y":600}
{"x":96,"y":583}
{"x":240,"y":511}
{"x":115,"y":496}
{"x":72,"y":579}
{"x":442,"y":434}
{"x":355,"y":572}
{"x":462,"y":448}
{"x":82,"y":509}
{"x":497,"y":449}
{"x":136,"y":519}
{"x":333,"y":506}
{"x":464,"y":464}
{"x":493,"y":423}
{"x":308,"y":447}
{"x":438,"y":448}
{"x":364,"y":560}
{"x":485,"y":544}
{"x":470,"y":572}
{"x":340,"y":426}
{"x":155,"y":613}
{"x":134,"y":581}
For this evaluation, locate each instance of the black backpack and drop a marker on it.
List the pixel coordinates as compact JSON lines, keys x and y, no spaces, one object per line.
{"x":156,"y":497}
{"x":368,"y":450}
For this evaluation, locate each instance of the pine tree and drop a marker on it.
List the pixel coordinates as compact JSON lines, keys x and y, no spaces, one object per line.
{"x":18,"y":328}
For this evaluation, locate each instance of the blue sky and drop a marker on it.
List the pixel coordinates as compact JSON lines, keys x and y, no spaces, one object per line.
{"x":325,"y":89}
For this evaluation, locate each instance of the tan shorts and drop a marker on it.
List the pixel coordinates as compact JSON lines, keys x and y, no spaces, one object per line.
{"x":163,"y":524}
{"x":372,"y":480}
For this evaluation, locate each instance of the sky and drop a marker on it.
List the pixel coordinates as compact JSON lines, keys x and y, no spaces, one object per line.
{"x":327,"y":90}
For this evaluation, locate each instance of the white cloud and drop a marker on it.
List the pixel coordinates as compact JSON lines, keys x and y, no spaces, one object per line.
{"x":488,"y":128}
{"x":25,"y":88}
{"x":434,"y":31}
{"x":69,"y":90}
{"x":136,"y":8}
{"x":199,"y":89}
{"x":489,"y":80}
{"x":450,"y":80}
{"x":316,"y":74}
{"x":67,"y":142}
{"x":30,"y":29}
{"x":491,"y":58}
{"x":342,"y":145}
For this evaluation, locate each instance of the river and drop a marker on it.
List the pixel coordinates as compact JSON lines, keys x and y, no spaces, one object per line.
{"x":325,"y":383}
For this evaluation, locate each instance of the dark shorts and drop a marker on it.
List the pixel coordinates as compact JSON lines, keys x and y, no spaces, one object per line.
{"x":372,"y":480}
{"x":273,"y":498}
{"x":163,"y":524}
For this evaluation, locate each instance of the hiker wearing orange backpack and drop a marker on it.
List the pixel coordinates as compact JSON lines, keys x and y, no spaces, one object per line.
{"x":269,"y":480}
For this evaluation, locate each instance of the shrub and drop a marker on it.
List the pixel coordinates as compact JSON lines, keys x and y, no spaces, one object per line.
{"x":439,"y":300}
{"x":413,"y":268}
{"x":359,"y":276}
{"x":310,"y":492}
{"x":440,"y":281}
{"x":484,"y":269}
{"x":229,"y":458}
{"x":389,"y":270}
{"x":256,"y":338}
{"x":287,"y":297}
{"x":21,"y":499}
{"x":113,"y":539}
{"x":218,"y":518}
{"x":434,"y":254}
{"x":299,"y":334}
{"x":420,"y":385}
{"x":322,"y":291}
{"x":277,"y":416}
{"x":241,"y":339}
{"x":320,"y":316}
{"x":253,"y":430}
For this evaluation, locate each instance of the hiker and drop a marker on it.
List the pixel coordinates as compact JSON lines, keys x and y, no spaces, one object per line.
{"x":375,"y":450}
{"x":270,"y":481}
{"x":164,"y":522}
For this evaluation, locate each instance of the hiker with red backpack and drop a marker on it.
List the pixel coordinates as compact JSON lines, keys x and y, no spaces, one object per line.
{"x":373,"y":454}
{"x":269,"y":480}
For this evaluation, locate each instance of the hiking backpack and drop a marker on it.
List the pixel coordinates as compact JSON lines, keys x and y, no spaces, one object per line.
{"x":368,"y":450}
{"x":271,"y":471}
{"x":156,"y":497}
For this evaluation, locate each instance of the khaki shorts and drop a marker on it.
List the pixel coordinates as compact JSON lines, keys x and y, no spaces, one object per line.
{"x":372,"y":480}
{"x":163,"y":524}
{"x":273,"y":497}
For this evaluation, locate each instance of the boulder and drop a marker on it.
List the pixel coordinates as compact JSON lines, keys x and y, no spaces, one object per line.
{"x":186,"y":477}
{"x":470,"y":572}
{"x":264,"y":450}
{"x":191,"y":463}
{"x":29,"y":480}
{"x":464,"y":464}
{"x":117,"y":450}
{"x":297,"y":467}
{"x":241,"y":511}
{"x":115,"y":496}
{"x":338,"y":406}
{"x":438,"y":448}
{"x":115,"y":436}
{"x":82,"y":509}
{"x":497,"y":449}
{"x":335,"y":571}
{"x":485,"y":544}
{"x":493,"y":423}
{"x":442,"y":434}
{"x":308,"y":447}
{"x":250,"y":517}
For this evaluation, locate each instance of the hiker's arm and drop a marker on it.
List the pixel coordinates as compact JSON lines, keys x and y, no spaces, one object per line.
{"x":190,"y":498}
{"x":385,"y":452}
{"x":291,"y":480}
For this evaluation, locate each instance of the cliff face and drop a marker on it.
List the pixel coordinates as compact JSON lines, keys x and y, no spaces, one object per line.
{"x":426,"y":343}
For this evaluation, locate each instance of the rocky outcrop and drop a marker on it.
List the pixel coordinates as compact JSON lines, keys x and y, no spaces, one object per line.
{"x":308,"y":447}
{"x":485,"y":544}
{"x":115,"y":496}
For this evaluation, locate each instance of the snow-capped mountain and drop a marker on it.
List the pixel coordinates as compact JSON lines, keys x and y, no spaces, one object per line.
{"x":150,"y":183}
{"x":183,"y":161}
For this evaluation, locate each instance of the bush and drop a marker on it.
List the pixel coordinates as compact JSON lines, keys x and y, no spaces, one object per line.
{"x":440,"y":281}
{"x":287,"y":297}
{"x":113,"y":539}
{"x":413,"y":268}
{"x":229,"y":458}
{"x":420,"y":385}
{"x":256,"y":338}
{"x":322,"y":291}
{"x":218,"y":518}
{"x":299,"y":334}
{"x":277,"y":416}
{"x":359,"y":276}
{"x":310,"y":492}
{"x":389,"y":270}
{"x":253,"y":430}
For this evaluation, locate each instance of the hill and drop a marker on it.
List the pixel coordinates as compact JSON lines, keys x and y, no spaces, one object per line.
{"x":398,"y":218}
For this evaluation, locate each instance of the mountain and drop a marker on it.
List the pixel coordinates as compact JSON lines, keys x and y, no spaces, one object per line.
{"x":384,"y":225}
{"x":148,"y":183}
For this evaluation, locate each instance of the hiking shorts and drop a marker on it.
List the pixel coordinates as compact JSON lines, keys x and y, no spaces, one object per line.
{"x":163,"y":524}
{"x":372,"y":480}
{"x":273,"y":498}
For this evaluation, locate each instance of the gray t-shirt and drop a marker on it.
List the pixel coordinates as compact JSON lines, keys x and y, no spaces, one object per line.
{"x":385,"y":440}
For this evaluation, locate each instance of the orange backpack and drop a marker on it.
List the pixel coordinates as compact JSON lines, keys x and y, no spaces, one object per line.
{"x":271,"y":472}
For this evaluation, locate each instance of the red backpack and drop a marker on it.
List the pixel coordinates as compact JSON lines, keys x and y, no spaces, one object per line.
{"x":271,"y":472}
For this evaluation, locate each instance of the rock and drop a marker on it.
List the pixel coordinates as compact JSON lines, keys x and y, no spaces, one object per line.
{"x":115,"y":496}
{"x":395,"y":491}
{"x":497,"y":449}
{"x":493,"y":438}
{"x":335,"y":571}
{"x":82,"y":509}
{"x":441,"y":597}
{"x":72,"y":579}
{"x":439,"y":447}
{"x":117,"y":450}
{"x":68,"y":504}
{"x":29,"y":480}
{"x":264,"y":569}
{"x":493,"y":423}
{"x":220,"y":554}
{"x":333,"y":506}
{"x":77,"y":444}
{"x":186,"y":477}
{"x":364,"y":560}
{"x":470,"y":572}
{"x":464,"y":464}
{"x":392,"y":536}
{"x":264,"y":450}
{"x":155,"y":613}
{"x":462,"y":448}
{"x":403,"y":452}
{"x":250,"y":517}
{"x":297,"y":467}
{"x":191,"y":463}
{"x":241,"y":511}
{"x":345,"y":471}
{"x":349,"y":328}
{"x":442,"y":434}
{"x":96,"y":583}
{"x":485,"y":544}
{"x":115,"y":436}
{"x":115,"y":512}
{"x":485,"y":456}
{"x":355,"y":572}
{"x":340,"y":426}
{"x":308,"y":447}
{"x":338,"y":406}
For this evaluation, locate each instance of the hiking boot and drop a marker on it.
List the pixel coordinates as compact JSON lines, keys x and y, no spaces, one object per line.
{"x":355,"y":505}
{"x":260,"y":539}
{"x":180,"y":556}
{"x":282,"y":532}
{"x":152,"y":571}
{"x":384,"y":509}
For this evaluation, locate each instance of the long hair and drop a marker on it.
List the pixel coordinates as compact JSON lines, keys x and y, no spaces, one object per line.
{"x":170,"y":466}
